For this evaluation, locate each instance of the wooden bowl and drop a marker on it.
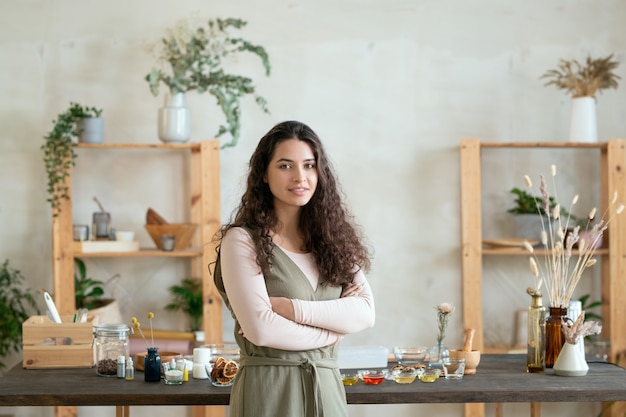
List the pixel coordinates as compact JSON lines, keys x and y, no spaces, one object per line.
{"x":182,"y":231}
{"x":472,"y":359}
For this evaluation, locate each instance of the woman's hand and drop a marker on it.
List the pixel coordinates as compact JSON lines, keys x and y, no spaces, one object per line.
{"x":283,"y":307}
{"x":351,"y":290}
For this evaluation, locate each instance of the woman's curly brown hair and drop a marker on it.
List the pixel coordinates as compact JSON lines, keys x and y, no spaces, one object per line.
{"x":329,"y":232}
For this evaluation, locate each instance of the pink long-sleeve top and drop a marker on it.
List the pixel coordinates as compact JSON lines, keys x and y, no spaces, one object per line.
{"x":317,"y":323}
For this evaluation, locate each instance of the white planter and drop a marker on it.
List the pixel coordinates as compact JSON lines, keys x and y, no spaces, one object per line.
{"x":583,"y":125}
{"x":570,"y":362}
{"x":174,"y":119}
{"x":91,"y":130}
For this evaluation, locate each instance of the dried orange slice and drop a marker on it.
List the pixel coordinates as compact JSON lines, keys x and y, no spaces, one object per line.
{"x":219,"y":362}
{"x":230,"y":369}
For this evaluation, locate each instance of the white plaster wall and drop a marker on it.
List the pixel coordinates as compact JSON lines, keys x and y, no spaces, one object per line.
{"x":391,"y":86}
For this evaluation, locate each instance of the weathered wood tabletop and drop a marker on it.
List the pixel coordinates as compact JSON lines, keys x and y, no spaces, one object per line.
{"x":500,"y":378}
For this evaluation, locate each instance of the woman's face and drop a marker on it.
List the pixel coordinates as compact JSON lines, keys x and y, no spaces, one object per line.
{"x":292,"y":174}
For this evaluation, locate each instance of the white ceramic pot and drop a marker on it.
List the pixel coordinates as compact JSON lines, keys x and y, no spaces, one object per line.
{"x":583,"y":125}
{"x":570,"y":362}
{"x":174,"y":119}
{"x":91,"y":130}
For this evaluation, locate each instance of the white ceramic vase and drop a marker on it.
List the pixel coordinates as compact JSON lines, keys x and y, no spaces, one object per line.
{"x":174,"y":119}
{"x":570,"y":362}
{"x":583,"y":125}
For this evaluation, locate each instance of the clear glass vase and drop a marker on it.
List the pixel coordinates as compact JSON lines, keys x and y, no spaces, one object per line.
{"x":438,"y":354}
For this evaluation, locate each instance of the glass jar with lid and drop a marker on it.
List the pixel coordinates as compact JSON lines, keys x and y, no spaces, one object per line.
{"x":110,"y":342}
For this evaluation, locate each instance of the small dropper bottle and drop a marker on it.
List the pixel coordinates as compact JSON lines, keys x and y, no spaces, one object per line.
{"x":130,"y":369}
{"x":121,"y":366}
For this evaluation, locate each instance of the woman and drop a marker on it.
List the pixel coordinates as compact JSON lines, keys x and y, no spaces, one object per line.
{"x":291,"y":271}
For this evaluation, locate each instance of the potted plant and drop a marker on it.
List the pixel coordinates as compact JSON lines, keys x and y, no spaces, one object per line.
{"x":17,"y":304}
{"x":187,"y":297}
{"x":583,"y":81}
{"x":59,"y":155}
{"x":87,"y":291}
{"x":90,"y":124}
{"x":192,"y":57}
{"x":528,"y":211}
{"x":89,"y":294}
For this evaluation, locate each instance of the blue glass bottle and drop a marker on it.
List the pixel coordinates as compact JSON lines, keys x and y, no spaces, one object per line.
{"x":152,"y":365}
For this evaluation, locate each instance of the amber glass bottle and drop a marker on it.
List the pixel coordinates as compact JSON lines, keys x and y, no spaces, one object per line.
{"x":554,"y":334}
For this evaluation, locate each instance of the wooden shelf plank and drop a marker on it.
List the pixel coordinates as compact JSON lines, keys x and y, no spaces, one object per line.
{"x":538,"y":252}
{"x":143,"y":252}
{"x":562,"y":145}
{"x":190,"y":145}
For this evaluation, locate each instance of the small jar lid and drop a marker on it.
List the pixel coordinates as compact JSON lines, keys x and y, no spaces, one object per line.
{"x":109,"y":329}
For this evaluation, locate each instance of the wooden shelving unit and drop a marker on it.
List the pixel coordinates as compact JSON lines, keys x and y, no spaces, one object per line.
{"x":204,"y":199}
{"x":612,"y":178}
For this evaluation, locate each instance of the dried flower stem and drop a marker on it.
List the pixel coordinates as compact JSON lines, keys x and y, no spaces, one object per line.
{"x":443,"y":311}
{"x":137,"y":326}
{"x":580,"y":328}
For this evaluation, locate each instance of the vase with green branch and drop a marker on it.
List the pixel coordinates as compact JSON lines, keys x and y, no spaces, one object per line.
{"x":195,"y":56}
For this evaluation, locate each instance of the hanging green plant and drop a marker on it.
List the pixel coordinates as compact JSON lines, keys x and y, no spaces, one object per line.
{"x":59,"y":155}
{"x":191,"y":57}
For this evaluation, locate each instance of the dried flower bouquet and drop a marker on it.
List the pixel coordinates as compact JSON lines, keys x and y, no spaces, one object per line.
{"x":584,"y":80}
{"x":580,"y":329}
{"x":562,"y":270}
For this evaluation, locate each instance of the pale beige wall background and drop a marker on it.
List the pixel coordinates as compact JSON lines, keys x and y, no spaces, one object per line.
{"x":391,"y":86}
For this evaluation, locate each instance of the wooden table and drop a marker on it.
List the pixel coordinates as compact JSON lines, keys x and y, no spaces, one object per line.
{"x":500,"y":379}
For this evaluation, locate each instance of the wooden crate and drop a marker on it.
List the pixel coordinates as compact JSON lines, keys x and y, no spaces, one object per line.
{"x":57,"y":345}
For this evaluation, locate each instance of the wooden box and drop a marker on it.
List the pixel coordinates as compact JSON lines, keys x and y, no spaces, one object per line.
{"x":57,"y":345}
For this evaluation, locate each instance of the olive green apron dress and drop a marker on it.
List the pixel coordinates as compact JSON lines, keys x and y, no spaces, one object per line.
{"x":281,"y":383}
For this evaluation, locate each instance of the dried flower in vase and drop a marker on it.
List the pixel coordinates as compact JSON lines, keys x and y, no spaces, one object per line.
{"x":584,"y":80}
{"x":137,"y":325}
{"x":562,"y":269}
{"x":444,"y":310}
{"x":580,"y":329}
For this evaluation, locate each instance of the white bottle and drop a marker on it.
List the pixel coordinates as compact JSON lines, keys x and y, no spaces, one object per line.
{"x":121,"y":366}
{"x":130,"y":369}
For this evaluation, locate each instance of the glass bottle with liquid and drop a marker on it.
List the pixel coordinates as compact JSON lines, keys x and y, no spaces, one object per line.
{"x":536,"y":345}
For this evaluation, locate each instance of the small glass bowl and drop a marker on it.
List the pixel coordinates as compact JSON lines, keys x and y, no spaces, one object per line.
{"x":406,"y":375}
{"x":410,"y":355}
{"x":223,"y":376}
{"x":430,"y":375}
{"x":349,"y":379}
{"x":373,"y":377}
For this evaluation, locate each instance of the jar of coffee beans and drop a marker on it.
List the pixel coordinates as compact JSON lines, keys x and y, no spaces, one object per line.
{"x":110,"y":342}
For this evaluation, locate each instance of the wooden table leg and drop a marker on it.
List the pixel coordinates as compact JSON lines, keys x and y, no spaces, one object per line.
{"x":499,"y":410}
{"x":535,"y":409}
{"x":122,"y":411}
